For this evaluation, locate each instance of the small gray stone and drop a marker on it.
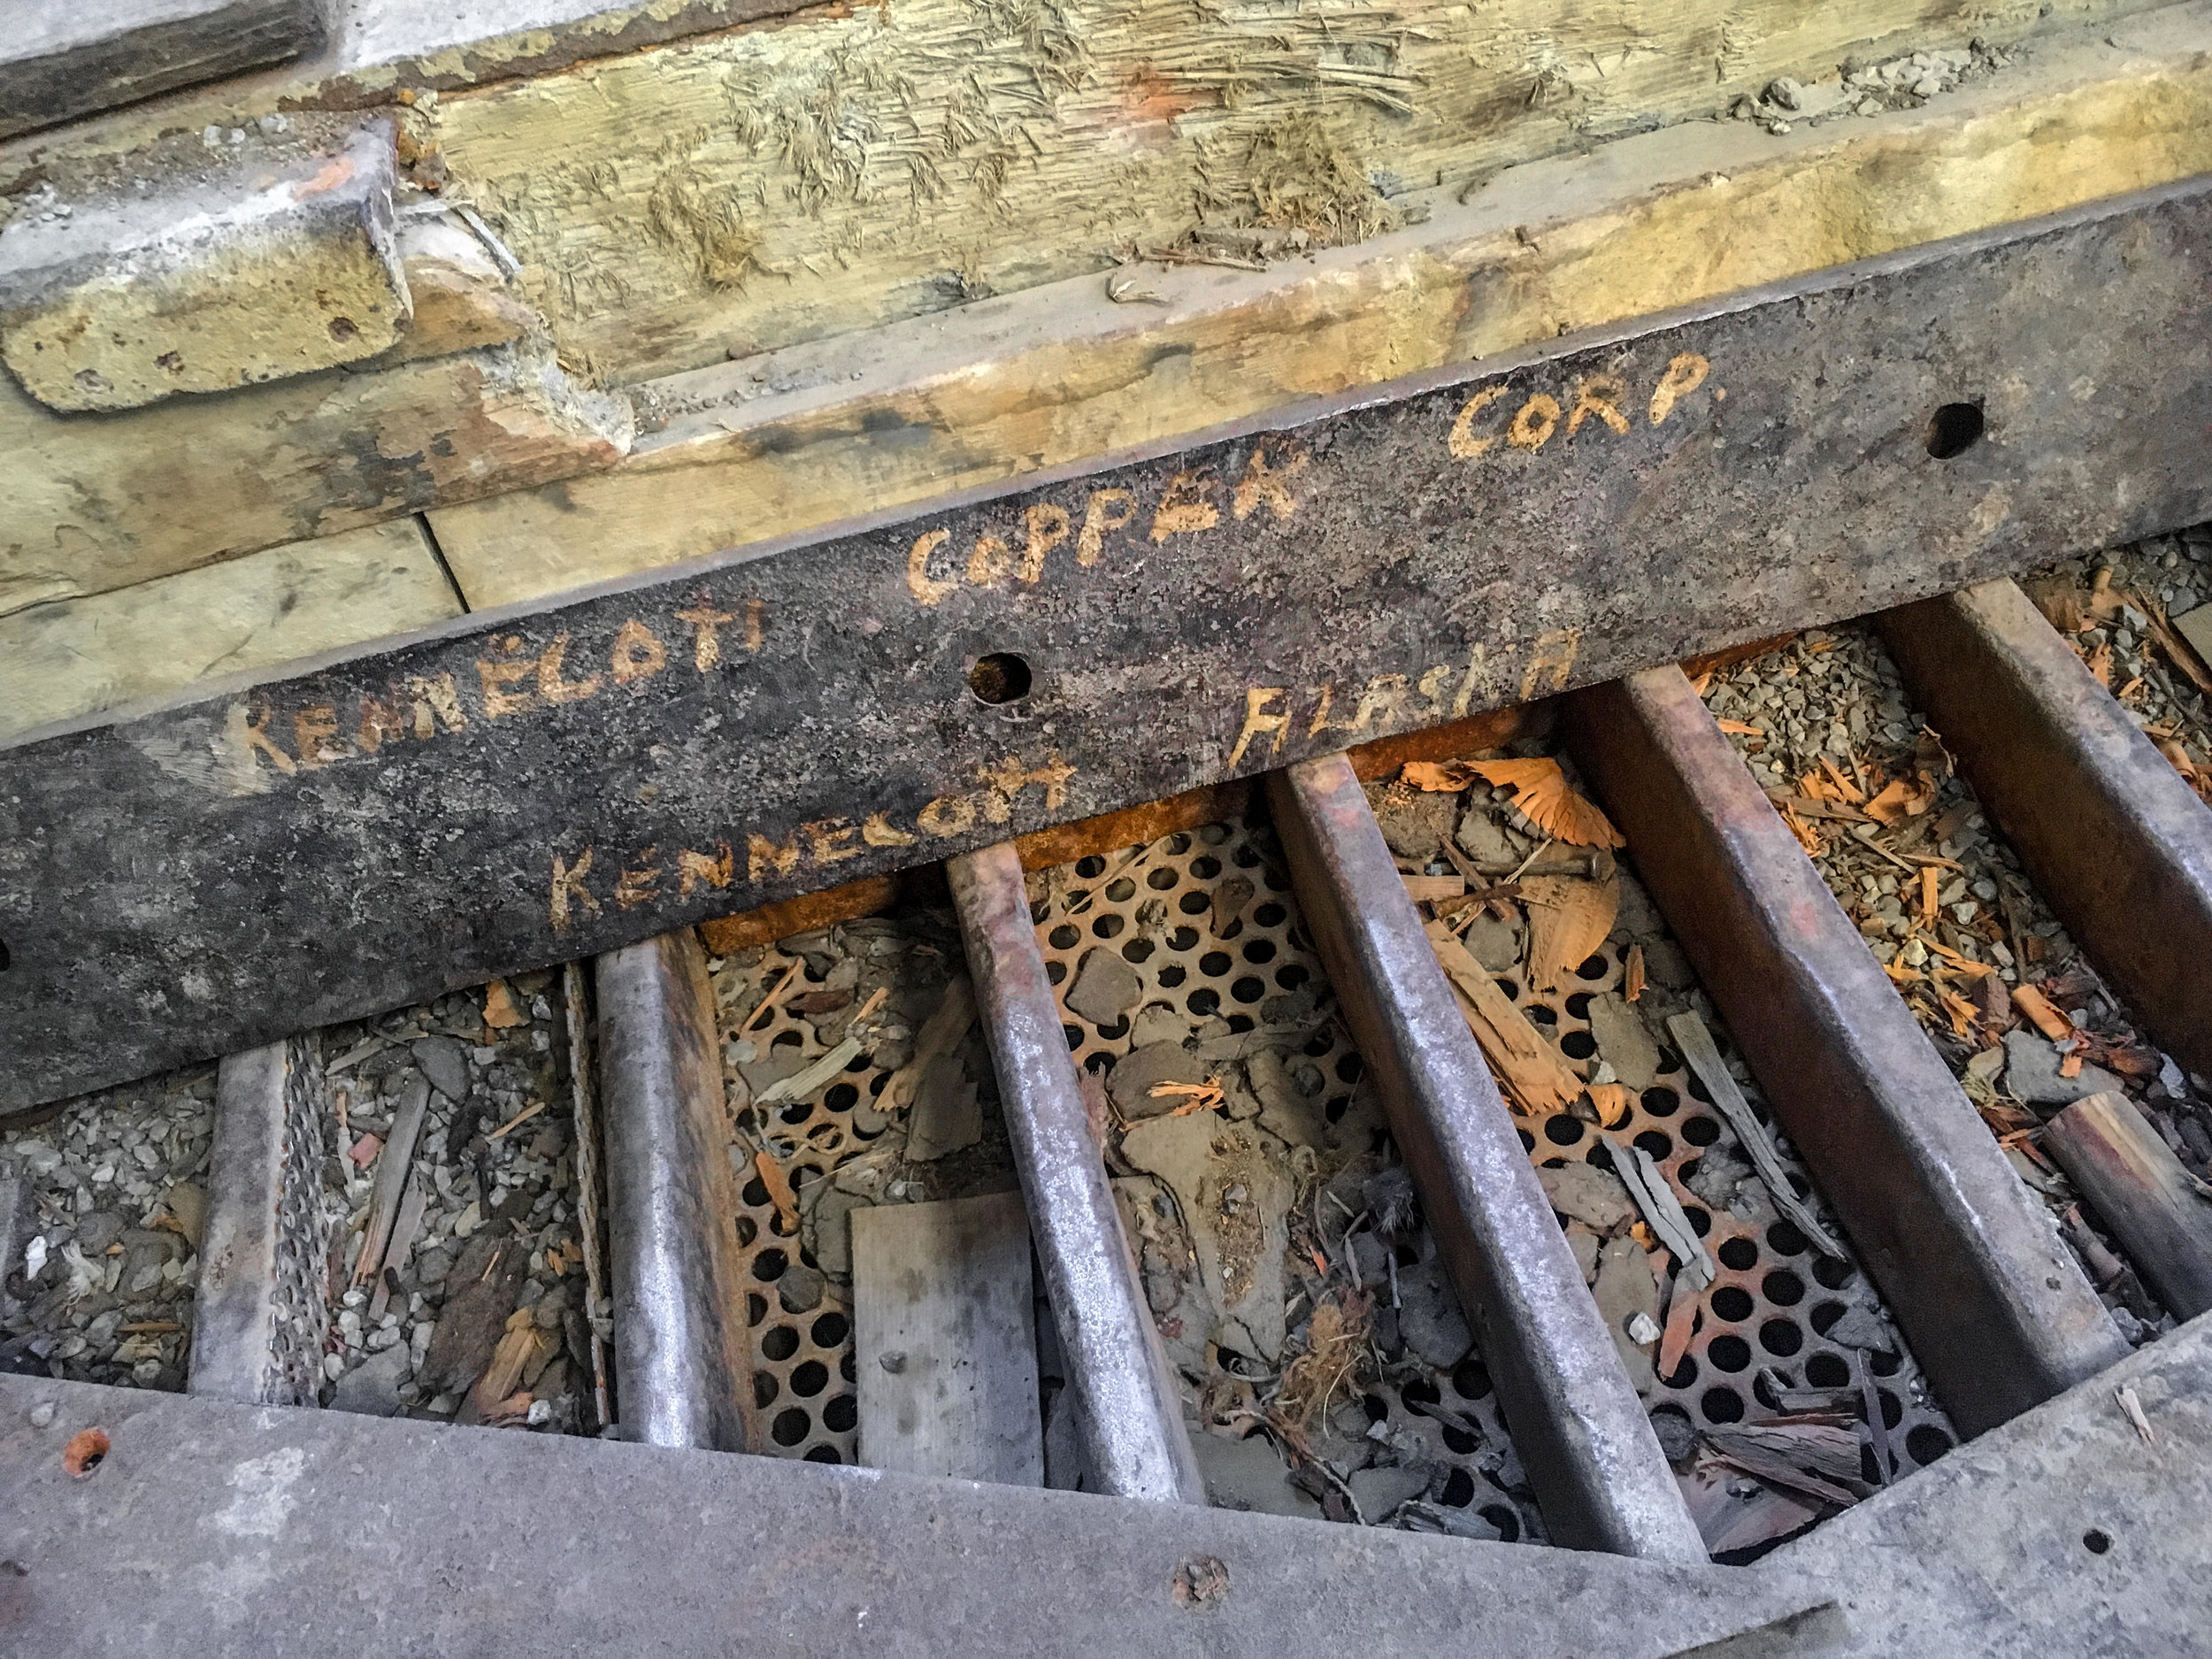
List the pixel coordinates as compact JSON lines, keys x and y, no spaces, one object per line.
{"x":1677,"y":1438}
{"x":1429,"y":1320}
{"x":830,"y":1224}
{"x":1380,"y":1490}
{"x":1130,"y":1083}
{"x":445,"y":1062}
{"x":1249,"y":1474}
{"x":1157,"y":1022}
{"x":1106,"y":987}
{"x":371,"y":1389}
{"x":432,"y":1265}
{"x":1623,"y":1041}
{"x":2032,"y":1072}
{"x":1862,"y":1327}
{"x":800,"y":1288}
{"x":99,"y":1230}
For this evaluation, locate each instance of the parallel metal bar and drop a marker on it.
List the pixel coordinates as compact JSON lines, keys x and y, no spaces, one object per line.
{"x":1997,"y":1312}
{"x":1132,"y":1419}
{"x":2120,"y":846}
{"x":259,"y":1313}
{"x":2134,"y":1183}
{"x":683,"y":1360}
{"x":1581,"y":1432}
{"x":516,"y":790}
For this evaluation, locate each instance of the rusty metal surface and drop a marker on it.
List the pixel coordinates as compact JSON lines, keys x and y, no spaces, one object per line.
{"x":1130,"y":1415}
{"x":259,"y":1312}
{"x":2118,"y":843}
{"x":2135,"y":1185}
{"x":682,"y":1357}
{"x":1994,"y":1307}
{"x":518,"y":788}
{"x":1599,"y":1475}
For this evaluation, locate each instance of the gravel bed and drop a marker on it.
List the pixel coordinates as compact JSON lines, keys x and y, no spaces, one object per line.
{"x":2117,"y":609}
{"x":1825,"y":719}
{"x":110,"y":1199}
{"x":491,"y":1286}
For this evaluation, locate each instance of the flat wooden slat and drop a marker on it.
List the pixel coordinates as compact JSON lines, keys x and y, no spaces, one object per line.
{"x":945,"y":1340}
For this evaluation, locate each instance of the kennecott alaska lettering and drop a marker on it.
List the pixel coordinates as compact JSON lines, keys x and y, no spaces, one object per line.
{"x":584,"y":882}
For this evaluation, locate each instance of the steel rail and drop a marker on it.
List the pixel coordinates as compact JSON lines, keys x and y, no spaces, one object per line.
{"x":1591,"y":1454}
{"x":683,"y":1357}
{"x":1132,"y":1417}
{"x":1996,"y":1310}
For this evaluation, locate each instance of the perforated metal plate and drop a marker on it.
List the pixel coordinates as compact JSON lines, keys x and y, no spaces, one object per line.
{"x":1213,"y":950}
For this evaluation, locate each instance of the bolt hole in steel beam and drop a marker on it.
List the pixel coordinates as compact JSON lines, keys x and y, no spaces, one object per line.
{"x":1954,"y":429}
{"x":1995,"y":1309}
{"x":1600,"y":1476}
{"x":1000,"y":676}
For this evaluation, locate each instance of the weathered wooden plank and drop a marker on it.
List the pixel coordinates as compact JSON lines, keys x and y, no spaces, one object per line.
{"x":945,"y":1341}
{"x":78,"y":657}
{"x":524,"y":787}
{"x":979,"y":395}
{"x":58,"y":62}
{"x":807,"y":435}
{"x":771,"y":185}
{"x":2135,"y":1185}
{"x":88,"y":504}
{"x":205,"y":274}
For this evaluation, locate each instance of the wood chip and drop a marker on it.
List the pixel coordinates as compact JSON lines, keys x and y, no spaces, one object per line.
{"x":1543,"y":797}
{"x":1196,"y":1097}
{"x":1928,"y":881}
{"x":1682,"y":1321}
{"x":1444,"y":777}
{"x":820,"y":1076}
{"x":1703,"y":1055}
{"x":945,"y":1029}
{"x":519,"y":1118}
{"x":1633,"y":977}
{"x":1568,"y":922}
{"x":1429,"y":889}
{"x":1742,"y":728}
{"x":757,"y":1020}
{"x":2130,"y":1402}
{"x":779,"y":1194}
{"x":500,"y":1013}
{"x":1647,"y":1184}
{"x":2037,"y":1008}
{"x":1536,"y":1080}
{"x":391,"y":1179}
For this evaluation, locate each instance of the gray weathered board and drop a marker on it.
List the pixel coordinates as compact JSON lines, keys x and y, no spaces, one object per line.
{"x":513,"y":789}
{"x":63,"y":58}
{"x":945,"y":1341}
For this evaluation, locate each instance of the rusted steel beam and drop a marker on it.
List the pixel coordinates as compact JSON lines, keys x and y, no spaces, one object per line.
{"x":2135,"y":1185}
{"x":683,"y":1360}
{"x":1132,"y":1417}
{"x":259,"y":1313}
{"x":2118,"y":844}
{"x":511,"y":790}
{"x":1997,"y":1312}
{"x":1598,"y":1474}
